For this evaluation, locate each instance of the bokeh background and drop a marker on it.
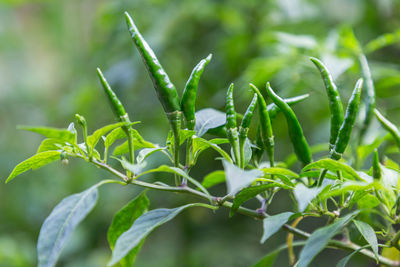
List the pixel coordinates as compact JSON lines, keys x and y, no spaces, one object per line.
{"x":49,"y":51}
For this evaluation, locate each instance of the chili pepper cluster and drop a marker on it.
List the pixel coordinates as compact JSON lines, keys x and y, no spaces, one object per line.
{"x":174,"y":107}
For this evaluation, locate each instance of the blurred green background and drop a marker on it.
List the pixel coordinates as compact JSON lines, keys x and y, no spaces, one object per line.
{"x":49,"y":51}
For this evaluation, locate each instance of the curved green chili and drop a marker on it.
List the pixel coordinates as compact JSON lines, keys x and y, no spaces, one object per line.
{"x":370,"y":97}
{"x":189,"y":93}
{"x":345,"y":130}
{"x":300,"y":145}
{"x":376,"y":168}
{"x":273,"y":109}
{"x":166,"y":91}
{"x":115,"y":103}
{"x":248,"y":115}
{"x":244,"y":128}
{"x":266,"y":128}
{"x":230,"y":125}
{"x":390,"y":127}
{"x":119,"y":111}
{"x":335,"y":104}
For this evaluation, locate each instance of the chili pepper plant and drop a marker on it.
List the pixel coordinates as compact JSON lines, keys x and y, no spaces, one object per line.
{"x":333,"y":188}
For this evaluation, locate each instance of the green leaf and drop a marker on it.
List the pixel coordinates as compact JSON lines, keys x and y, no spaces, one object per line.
{"x":280,"y":171}
{"x":142,"y":227}
{"x":214,"y":178}
{"x":343,"y":262}
{"x":320,"y":238}
{"x":185,"y":134}
{"x":62,"y":221}
{"x":34,"y":162}
{"x":123,"y":220}
{"x":250,"y":192}
{"x":382,"y":41}
{"x":207,"y":119}
{"x":95,"y":137}
{"x":146,"y":152}
{"x":174,"y":170}
{"x":113,"y":136}
{"x":305,"y":195}
{"x":369,"y":234}
{"x":269,"y":259}
{"x":334,"y":166}
{"x":50,"y":144}
{"x":367,"y":201}
{"x":138,"y":142}
{"x":236,"y":178}
{"x":200,"y":144}
{"x":133,"y":168}
{"x":54,"y":133}
{"x":272,"y":224}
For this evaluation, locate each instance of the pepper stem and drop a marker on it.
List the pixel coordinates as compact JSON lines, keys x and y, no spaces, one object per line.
{"x":175,"y":122}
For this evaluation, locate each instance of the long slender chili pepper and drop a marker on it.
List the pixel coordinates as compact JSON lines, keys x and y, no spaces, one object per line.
{"x":376,"y":168}
{"x":345,"y":130}
{"x":189,"y":93}
{"x":119,"y":112}
{"x":188,"y":103}
{"x":244,"y":128}
{"x":165,"y":89}
{"x":370,"y":96}
{"x":390,"y":127}
{"x":266,"y":128}
{"x":230,"y":125}
{"x":300,"y":145}
{"x":273,"y":109}
{"x":335,"y":104}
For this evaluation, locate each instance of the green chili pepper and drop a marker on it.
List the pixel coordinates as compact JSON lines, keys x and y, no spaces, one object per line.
{"x":345,"y":130}
{"x":376,"y":168}
{"x":273,"y":109}
{"x":166,"y":91}
{"x":189,"y":93}
{"x":119,"y":111}
{"x":390,"y":127}
{"x":230,"y":109}
{"x":335,"y":104}
{"x":266,"y":128}
{"x":370,"y":97}
{"x":245,"y":124}
{"x":115,"y":103}
{"x":300,"y":145}
{"x":230,"y":125}
{"x":244,"y":128}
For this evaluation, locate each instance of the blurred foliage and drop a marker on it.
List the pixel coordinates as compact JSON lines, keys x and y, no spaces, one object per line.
{"x":49,"y":51}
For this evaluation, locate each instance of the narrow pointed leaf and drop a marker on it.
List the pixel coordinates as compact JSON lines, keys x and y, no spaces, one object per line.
{"x":55,"y":133}
{"x":123,"y":220}
{"x":272,"y":224}
{"x":214,"y":178}
{"x":62,"y":221}
{"x":334,"y":166}
{"x":369,"y":234}
{"x":35,"y":162}
{"x":320,"y":238}
{"x":141,"y":228}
